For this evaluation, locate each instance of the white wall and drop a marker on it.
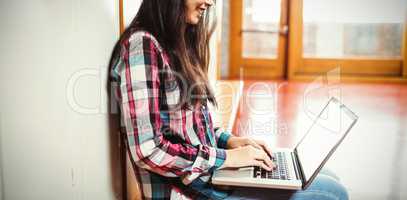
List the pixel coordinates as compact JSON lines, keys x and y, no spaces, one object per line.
{"x":1,"y":164}
{"x":213,"y":70}
{"x":130,"y":9}
{"x":49,"y":150}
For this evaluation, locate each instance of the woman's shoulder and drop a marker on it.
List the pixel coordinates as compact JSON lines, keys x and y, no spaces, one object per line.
{"x":138,"y":37}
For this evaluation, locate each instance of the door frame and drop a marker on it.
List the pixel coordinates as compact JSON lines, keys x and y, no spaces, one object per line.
{"x":269,"y":68}
{"x":307,"y":69}
{"x":374,"y":70}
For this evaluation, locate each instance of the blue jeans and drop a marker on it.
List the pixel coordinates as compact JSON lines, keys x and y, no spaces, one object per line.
{"x":326,"y":186}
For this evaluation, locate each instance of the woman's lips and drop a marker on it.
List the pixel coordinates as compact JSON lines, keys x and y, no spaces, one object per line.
{"x":200,"y":13}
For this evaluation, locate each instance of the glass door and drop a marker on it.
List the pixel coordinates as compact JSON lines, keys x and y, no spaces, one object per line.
{"x":364,"y":39}
{"x":258,"y":39}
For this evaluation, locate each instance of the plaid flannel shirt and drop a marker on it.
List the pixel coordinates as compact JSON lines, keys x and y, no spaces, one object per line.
{"x":173,"y":151}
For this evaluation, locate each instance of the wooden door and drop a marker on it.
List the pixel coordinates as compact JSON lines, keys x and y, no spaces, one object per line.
{"x":258,"y":38}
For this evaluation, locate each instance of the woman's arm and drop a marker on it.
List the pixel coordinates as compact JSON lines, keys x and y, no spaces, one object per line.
{"x":139,"y":91}
{"x":226,"y":140}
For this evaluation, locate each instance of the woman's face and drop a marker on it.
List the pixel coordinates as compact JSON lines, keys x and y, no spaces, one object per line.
{"x":195,"y":9}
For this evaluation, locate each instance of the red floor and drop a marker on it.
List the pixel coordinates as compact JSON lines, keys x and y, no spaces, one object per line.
{"x":371,"y":161}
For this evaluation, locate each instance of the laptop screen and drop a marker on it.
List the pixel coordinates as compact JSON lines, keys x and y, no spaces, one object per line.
{"x":326,"y":132}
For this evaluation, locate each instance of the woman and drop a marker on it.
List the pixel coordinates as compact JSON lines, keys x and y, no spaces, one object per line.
{"x":160,"y":66}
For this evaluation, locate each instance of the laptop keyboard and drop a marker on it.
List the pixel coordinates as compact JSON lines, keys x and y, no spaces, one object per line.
{"x":280,"y":172}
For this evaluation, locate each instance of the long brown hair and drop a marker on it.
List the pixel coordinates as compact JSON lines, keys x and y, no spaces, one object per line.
{"x":187,"y":45}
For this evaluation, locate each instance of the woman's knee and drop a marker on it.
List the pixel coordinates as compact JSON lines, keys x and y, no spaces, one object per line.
{"x":326,"y":188}
{"x":328,"y":172}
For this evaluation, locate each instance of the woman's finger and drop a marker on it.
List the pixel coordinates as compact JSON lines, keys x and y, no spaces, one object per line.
{"x":268,"y":161}
{"x":262,"y":155}
{"x":265,"y":147}
{"x":261,"y":164}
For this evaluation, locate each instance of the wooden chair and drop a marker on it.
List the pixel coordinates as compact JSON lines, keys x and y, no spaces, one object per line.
{"x":131,"y":190}
{"x":132,"y":185}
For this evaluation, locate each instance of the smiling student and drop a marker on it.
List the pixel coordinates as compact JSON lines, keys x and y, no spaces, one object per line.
{"x":160,"y":68}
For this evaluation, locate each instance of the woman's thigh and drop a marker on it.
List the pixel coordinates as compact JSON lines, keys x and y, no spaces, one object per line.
{"x":324,"y":187}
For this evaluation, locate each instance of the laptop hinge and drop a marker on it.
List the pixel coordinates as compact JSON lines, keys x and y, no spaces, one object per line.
{"x":299,"y":168}
{"x":297,"y":173}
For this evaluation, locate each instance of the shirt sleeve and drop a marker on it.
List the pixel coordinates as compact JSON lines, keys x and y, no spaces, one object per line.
{"x":222,"y":137}
{"x":139,"y":90}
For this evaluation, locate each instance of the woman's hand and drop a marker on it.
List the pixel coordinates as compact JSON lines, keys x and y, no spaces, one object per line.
{"x":248,"y":156}
{"x":237,"y":142}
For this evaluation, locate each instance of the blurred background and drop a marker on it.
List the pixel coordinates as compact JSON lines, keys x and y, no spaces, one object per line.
{"x":59,"y":141}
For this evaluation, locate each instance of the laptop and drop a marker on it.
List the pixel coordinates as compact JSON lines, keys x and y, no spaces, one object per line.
{"x":298,"y":167}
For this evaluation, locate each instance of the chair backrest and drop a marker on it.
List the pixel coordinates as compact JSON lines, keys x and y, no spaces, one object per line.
{"x":133,"y":186}
{"x":130,"y":180}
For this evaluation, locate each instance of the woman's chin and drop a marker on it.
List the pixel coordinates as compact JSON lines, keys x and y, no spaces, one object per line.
{"x":193,"y":21}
